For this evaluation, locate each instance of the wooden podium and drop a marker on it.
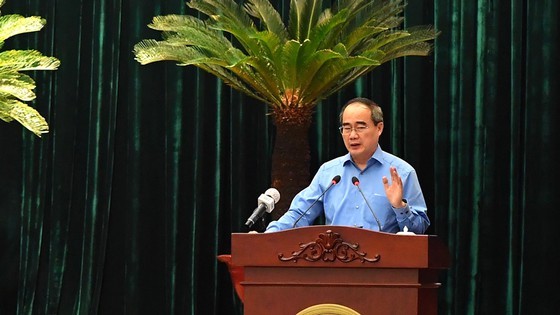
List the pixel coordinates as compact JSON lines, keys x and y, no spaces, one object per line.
{"x":316,"y":267}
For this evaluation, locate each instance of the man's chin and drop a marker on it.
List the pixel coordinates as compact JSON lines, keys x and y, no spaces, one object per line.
{"x":355,"y":153}
{"x":355,"y":150}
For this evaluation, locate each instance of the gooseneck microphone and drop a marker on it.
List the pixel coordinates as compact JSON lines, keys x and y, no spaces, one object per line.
{"x":265,"y":203}
{"x":334,"y":181}
{"x":356,"y":183}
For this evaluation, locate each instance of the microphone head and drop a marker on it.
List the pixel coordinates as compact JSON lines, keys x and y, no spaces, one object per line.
{"x":274,"y":193}
{"x":355,"y":181}
{"x":336,"y":179}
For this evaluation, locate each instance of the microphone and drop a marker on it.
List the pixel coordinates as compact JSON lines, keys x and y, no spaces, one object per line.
{"x":334,"y":181}
{"x":265,"y":203}
{"x":356,"y":183}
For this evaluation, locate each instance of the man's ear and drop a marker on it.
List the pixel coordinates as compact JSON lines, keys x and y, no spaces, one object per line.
{"x":379,"y":127}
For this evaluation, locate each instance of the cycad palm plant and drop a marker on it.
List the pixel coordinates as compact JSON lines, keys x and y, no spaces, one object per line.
{"x":289,"y":67}
{"x":16,"y":87}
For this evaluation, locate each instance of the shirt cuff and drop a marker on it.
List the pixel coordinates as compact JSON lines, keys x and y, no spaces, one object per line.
{"x":271,"y":229}
{"x":402,"y":213}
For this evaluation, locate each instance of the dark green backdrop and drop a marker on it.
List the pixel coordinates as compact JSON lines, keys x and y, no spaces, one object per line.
{"x":124,"y":205}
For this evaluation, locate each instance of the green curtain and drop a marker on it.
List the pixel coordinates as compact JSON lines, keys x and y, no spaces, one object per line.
{"x":123,"y":207}
{"x":496,"y":83}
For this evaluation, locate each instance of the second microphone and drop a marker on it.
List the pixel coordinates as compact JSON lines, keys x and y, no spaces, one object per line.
{"x":334,"y":181}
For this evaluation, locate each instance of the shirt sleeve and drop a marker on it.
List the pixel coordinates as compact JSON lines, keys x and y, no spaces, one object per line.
{"x":305,"y":207}
{"x":413,"y":216}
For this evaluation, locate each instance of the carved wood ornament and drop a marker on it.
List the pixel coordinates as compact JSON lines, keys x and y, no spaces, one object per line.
{"x":329,"y":247}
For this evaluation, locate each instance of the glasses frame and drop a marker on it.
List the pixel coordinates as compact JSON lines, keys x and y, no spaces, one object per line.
{"x":357,"y":129}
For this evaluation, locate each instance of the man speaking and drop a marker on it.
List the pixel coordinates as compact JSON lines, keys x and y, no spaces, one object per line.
{"x":366,"y":188}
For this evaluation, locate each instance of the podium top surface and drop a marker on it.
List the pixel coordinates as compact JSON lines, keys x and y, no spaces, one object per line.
{"x":338,"y":246}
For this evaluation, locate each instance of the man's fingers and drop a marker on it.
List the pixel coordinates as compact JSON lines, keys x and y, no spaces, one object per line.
{"x":395,"y":176}
{"x":385,"y":181}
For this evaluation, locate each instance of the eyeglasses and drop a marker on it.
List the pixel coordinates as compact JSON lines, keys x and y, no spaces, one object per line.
{"x":346,"y":130}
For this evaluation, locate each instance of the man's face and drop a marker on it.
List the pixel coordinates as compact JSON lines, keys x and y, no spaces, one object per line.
{"x":360,"y":142}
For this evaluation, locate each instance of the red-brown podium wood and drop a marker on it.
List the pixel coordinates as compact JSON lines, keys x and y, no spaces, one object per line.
{"x":370,"y":272}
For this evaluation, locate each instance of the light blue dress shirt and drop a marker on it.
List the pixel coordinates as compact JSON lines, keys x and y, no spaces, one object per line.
{"x":343,"y":203}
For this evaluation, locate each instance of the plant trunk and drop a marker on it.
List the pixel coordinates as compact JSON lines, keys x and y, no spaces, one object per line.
{"x":290,"y":156}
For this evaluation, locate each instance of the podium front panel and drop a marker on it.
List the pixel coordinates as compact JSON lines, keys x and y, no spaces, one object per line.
{"x":369,"y":272}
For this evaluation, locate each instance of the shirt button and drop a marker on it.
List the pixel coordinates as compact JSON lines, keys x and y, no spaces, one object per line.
{"x":357,"y":207}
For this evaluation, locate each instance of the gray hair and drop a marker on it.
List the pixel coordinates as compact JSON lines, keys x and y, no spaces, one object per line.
{"x":376,"y":111}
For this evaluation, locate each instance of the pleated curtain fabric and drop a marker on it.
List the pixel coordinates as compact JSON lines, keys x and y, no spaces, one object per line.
{"x":123,"y":207}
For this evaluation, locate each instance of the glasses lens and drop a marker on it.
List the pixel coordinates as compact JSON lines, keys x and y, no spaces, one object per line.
{"x":345,"y":130}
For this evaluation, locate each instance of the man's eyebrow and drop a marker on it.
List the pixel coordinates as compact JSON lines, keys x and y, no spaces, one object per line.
{"x":361,"y":122}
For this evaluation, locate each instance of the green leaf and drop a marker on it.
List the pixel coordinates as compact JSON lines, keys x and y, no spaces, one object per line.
{"x":230,"y":17}
{"x":304,"y":15}
{"x":416,"y":49}
{"x":415,"y":35}
{"x":24,"y":114}
{"x":149,"y":51}
{"x":17,"y":85}
{"x":326,"y":32}
{"x":14,"y":24}
{"x":271,"y":48}
{"x":384,"y":39}
{"x":329,"y":75}
{"x":360,"y":34}
{"x":290,"y":54}
{"x":25,"y":60}
{"x":264,"y":11}
{"x":318,"y":53}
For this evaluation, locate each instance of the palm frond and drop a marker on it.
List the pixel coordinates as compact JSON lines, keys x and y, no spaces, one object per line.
{"x":237,"y":80}
{"x":326,"y":33}
{"x":25,"y":60}
{"x":226,"y":8}
{"x":256,"y":73}
{"x":380,"y":13}
{"x":368,"y":21}
{"x":149,"y":51}
{"x":15,"y":24}
{"x":348,"y":4}
{"x":383,"y":39}
{"x":415,"y":49}
{"x":329,"y":75}
{"x":320,"y":51}
{"x":264,"y":11}
{"x":190,"y":31}
{"x":17,"y":85}
{"x":361,"y":34}
{"x":415,"y":35}
{"x":176,"y":22}
{"x":232,"y":64}
{"x":355,"y":73}
{"x":308,"y":74}
{"x":11,"y":109}
{"x":271,"y":47}
{"x":5,"y":117}
{"x":304,"y":15}
{"x":290,"y":54}
{"x":228,"y":16}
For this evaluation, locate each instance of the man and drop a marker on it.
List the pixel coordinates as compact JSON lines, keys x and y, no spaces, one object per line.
{"x":364,"y":197}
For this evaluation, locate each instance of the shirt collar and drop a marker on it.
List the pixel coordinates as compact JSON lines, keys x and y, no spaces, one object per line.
{"x":377,"y":156}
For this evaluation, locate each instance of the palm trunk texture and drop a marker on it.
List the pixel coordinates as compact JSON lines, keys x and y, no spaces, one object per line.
{"x":291,"y":155}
